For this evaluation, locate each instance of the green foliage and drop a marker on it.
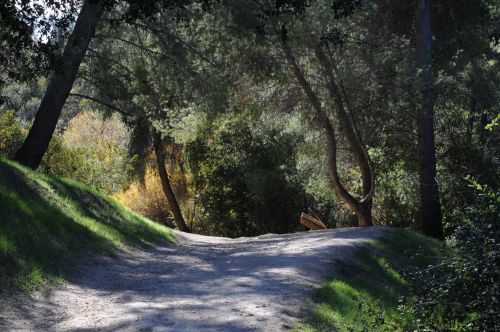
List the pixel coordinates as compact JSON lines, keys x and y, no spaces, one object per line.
{"x":11,"y":134}
{"x":48,"y":224}
{"x":24,"y":98}
{"x":192,"y":64}
{"x":85,"y":152}
{"x":22,"y":56}
{"x":246,"y":184}
{"x":460,"y":292}
{"x":61,"y":160}
{"x":396,"y":196}
{"x":496,"y":122}
{"x":104,"y":166}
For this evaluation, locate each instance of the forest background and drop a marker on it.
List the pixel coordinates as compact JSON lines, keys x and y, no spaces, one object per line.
{"x":231,"y":118}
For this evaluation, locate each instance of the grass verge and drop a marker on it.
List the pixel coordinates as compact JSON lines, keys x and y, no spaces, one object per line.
{"x":365,"y":294}
{"x":49,"y":223}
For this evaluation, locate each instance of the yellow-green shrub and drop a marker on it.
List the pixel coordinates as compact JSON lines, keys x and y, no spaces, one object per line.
{"x":11,"y":134}
{"x":147,"y":198}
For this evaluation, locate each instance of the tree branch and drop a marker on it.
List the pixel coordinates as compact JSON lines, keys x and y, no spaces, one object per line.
{"x":112,"y":107}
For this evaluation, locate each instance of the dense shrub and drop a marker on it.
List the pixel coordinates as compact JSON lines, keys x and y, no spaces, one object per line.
{"x":61,"y":160}
{"x":147,"y":198}
{"x":460,"y":292}
{"x":245,"y":184}
{"x":397,"y":201}
{"x":91,"y":150}
{"x":11,"y":134}
{"x":104,"y":165}
{"x":24,"y":98}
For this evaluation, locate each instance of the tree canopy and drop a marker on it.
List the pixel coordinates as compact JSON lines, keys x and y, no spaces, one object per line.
{"x":236,"y":116}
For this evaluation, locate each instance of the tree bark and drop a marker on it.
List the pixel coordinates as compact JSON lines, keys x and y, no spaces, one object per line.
{"x":350,"y":131}
{"x":430,"y":208}
{"x":165,"y":182}
{"x":60,"y":84}
{"x":362,"y":208}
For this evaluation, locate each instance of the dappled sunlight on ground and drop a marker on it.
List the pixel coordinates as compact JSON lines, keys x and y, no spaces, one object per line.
{"x":203,"y":283}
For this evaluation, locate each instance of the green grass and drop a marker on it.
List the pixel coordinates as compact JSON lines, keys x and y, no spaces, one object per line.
{"x":47,"y":224}
{"x":364,"y":295}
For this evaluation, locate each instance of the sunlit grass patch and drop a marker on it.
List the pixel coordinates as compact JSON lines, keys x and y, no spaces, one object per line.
{"x":366,"y":292}
{"x":48,"y":223}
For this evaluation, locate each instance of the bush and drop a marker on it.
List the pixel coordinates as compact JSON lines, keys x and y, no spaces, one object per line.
{"x":460,"y":292}
{"x":104,"y":166}
{"x":397,"y":198}
{"x":60,"y":160}
{"x":91,"y":150}
{"x":146,"y":197}
{"x":11,"y":134}
{"x":245,"y":184}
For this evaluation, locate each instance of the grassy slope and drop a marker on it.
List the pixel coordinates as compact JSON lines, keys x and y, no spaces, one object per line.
{"x":365,"y":293}
{"x":48,"y":223}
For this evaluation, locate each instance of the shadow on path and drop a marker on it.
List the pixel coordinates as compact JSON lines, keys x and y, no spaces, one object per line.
{"x":201,"y":284}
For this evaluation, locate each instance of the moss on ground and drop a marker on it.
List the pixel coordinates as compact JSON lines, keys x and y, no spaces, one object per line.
{"x":47,"y":224}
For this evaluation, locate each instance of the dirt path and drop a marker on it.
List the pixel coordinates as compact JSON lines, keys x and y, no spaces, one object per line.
{"x":201,"y":284}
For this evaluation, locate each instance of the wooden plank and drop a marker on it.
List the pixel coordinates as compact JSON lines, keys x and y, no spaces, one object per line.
{"x":311,"y":222}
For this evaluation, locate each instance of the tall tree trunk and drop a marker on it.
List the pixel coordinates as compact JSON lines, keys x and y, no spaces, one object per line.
{"x":352,"y":135}
{"x":165,"y":183}
{"x":60,"y":84}
{"x":430,"y":208}
{"x":362,"y":208}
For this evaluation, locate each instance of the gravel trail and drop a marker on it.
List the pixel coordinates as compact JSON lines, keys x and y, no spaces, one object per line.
{"x":200,"y":284}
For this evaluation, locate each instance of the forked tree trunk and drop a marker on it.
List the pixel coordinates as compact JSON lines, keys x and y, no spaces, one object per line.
{"x":430,"y":207}
{"x":165,"y":183}
{"x":362,"y":208}
{"x":60,"y":84}
{"x":350,"y":132}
